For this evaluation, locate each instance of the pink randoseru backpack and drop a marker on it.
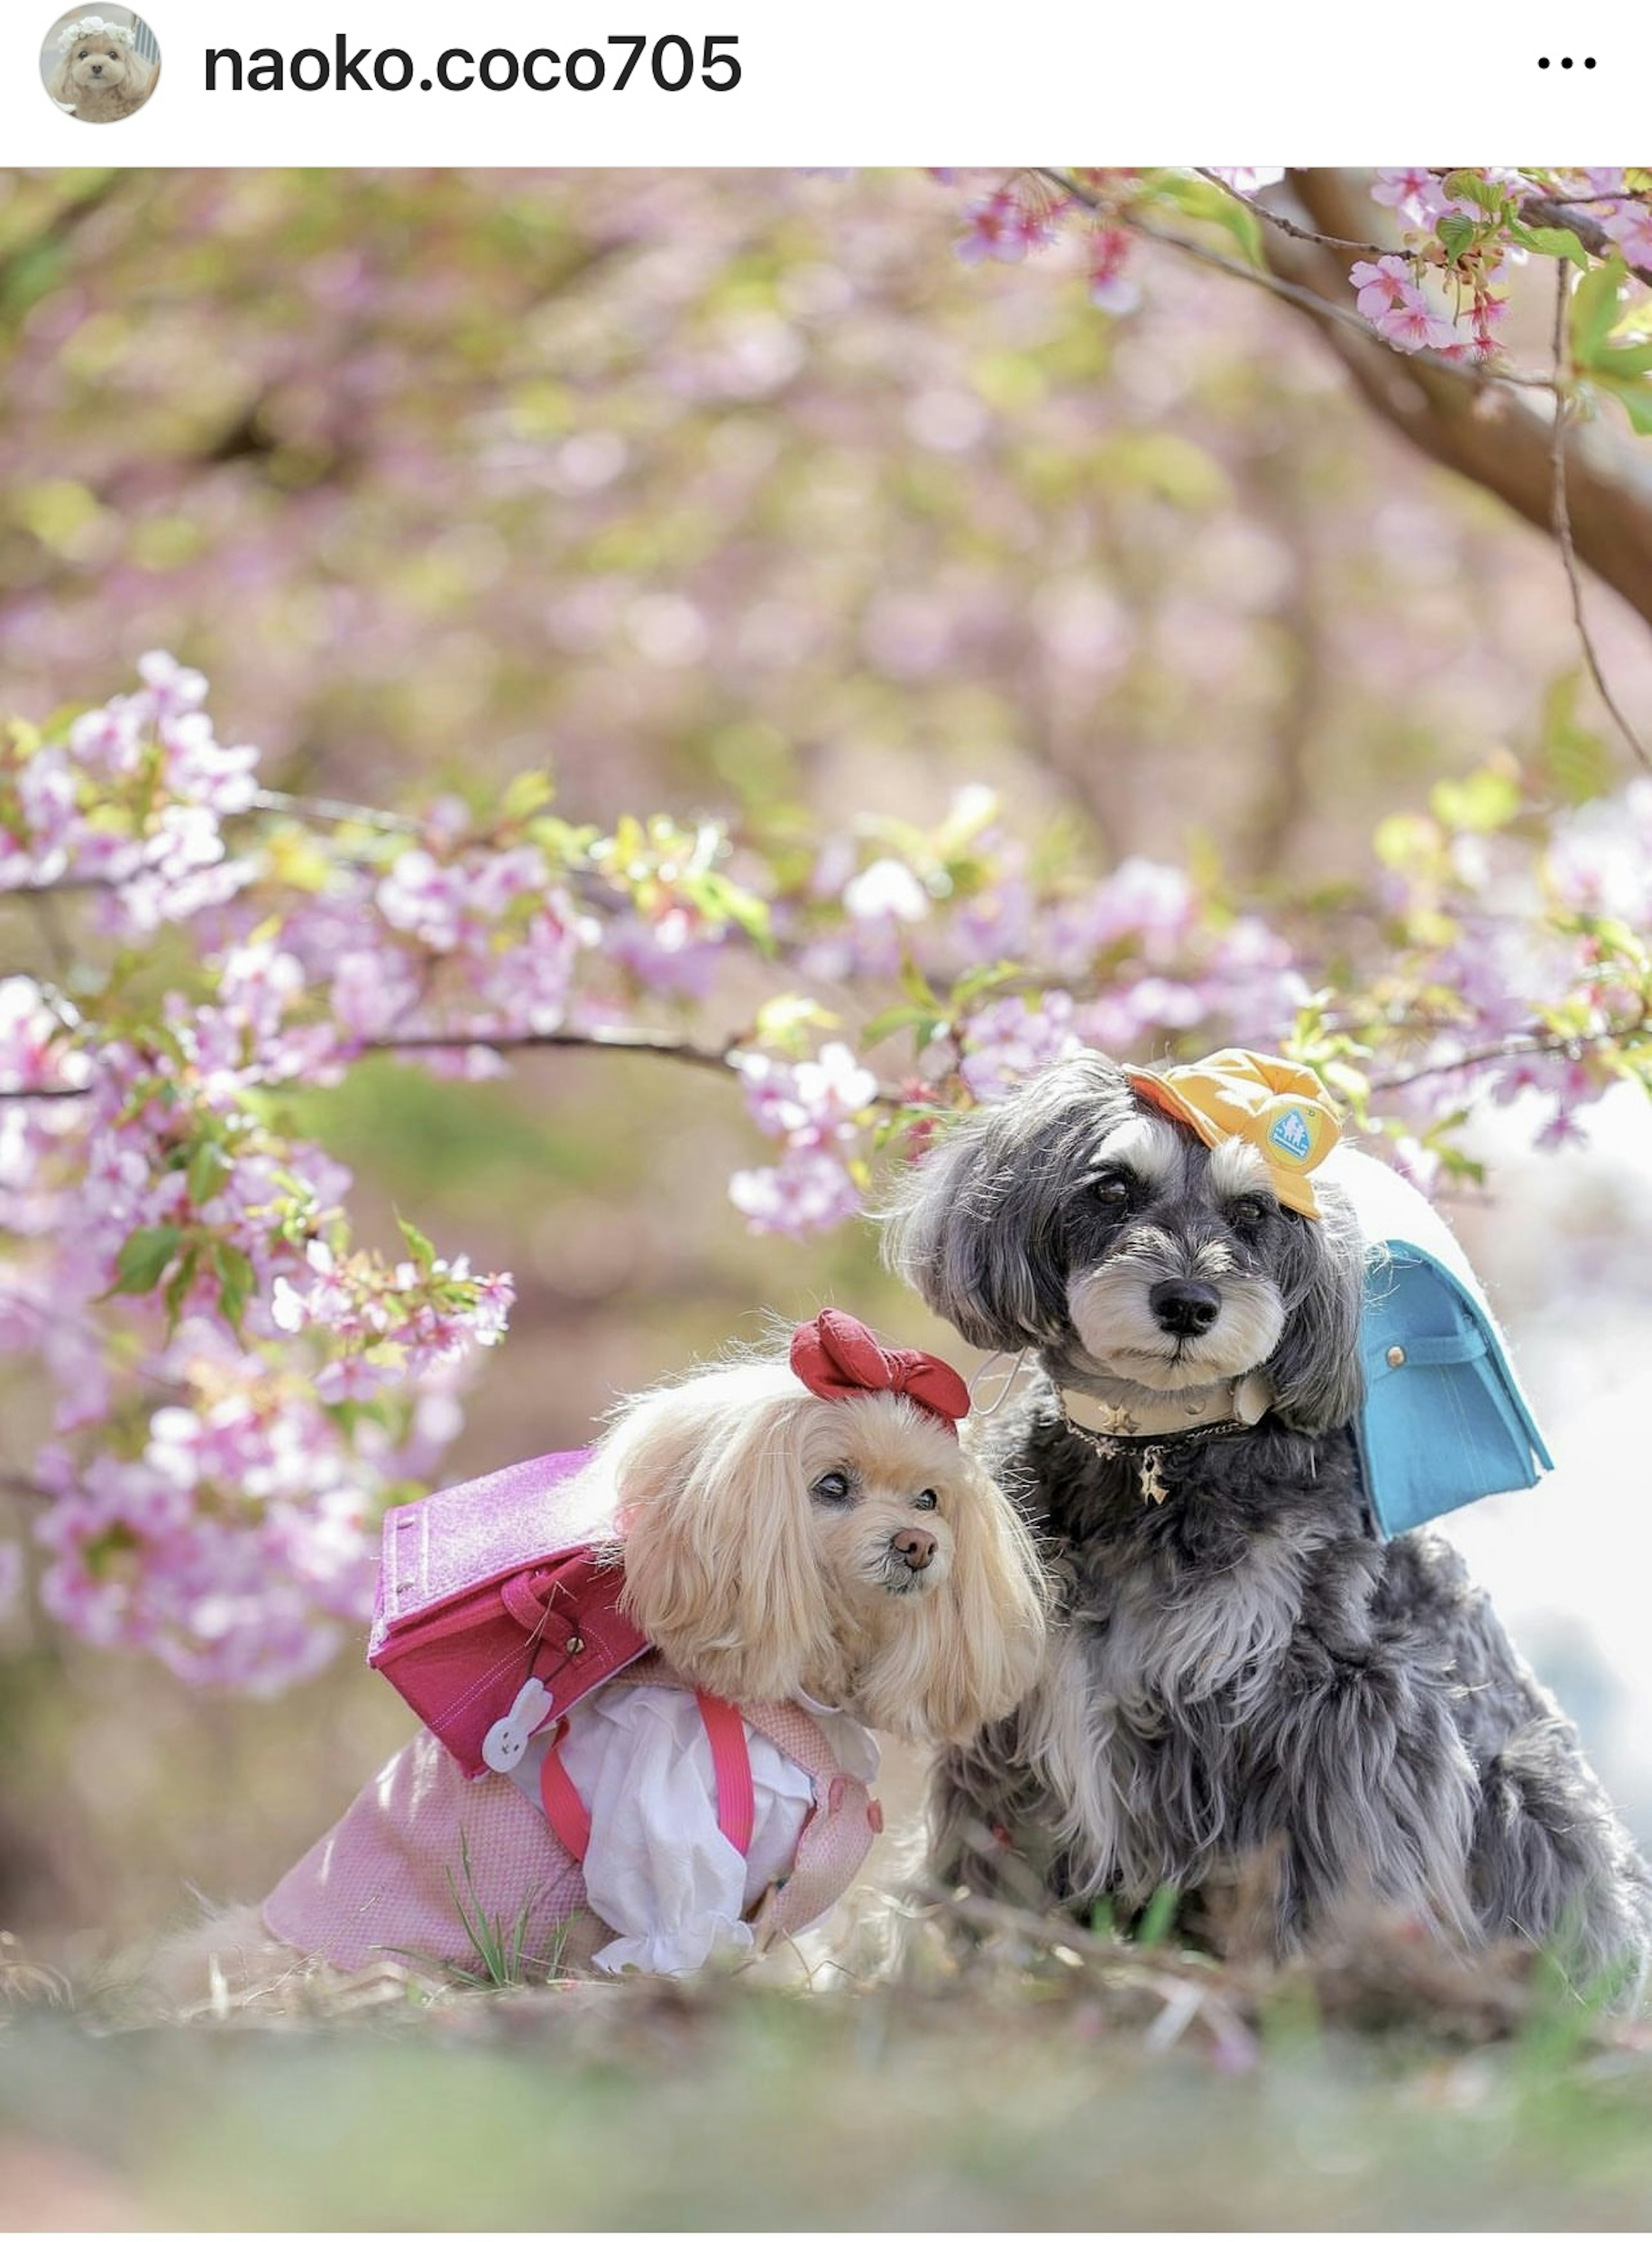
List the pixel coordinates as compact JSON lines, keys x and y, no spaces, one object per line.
{"x":492,"y":1583}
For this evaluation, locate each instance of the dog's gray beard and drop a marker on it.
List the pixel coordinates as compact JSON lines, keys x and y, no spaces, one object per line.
{"x":1128,"y":1345}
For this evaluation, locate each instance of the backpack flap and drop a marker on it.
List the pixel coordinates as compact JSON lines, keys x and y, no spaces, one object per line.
{"x":483,"y":1585}
{"x":1445,"y":1420}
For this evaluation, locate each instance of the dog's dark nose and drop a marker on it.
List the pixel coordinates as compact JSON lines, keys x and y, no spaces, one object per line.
{"x":1184,"y":1308}
{"x":915,"y":1545}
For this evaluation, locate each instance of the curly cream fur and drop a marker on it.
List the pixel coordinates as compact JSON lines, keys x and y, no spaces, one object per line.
{"x":760,"y":1592}
{"x":101,"y":80}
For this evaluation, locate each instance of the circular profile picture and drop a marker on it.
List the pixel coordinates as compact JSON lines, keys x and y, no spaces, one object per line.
{"x":100,"y":63}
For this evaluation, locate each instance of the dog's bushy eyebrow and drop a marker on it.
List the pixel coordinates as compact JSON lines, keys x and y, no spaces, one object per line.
{"x":1146,"y":1147}
{"x":1238,"y":1169}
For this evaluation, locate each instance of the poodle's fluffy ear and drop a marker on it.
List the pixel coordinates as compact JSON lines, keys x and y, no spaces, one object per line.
{"x":1318,"y":1381}
{"x":59,"y":86}
{"x":140,"y":74}
{"x":710,"y":1494}
{"x":969,"y":1652}
{"x":974,"y":1225}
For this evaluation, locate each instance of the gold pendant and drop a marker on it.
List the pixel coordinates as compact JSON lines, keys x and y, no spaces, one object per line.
{"x":1154,"y":1487}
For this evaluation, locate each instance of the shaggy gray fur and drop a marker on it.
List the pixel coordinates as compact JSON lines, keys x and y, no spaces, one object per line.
{"x":1243,"y":1670}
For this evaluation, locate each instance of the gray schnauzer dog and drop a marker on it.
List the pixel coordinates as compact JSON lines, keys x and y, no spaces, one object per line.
{"x":1244,"y":1673}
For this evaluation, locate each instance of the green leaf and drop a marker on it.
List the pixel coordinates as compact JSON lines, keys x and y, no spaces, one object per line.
{"x":1483,"y":802}
{"x":1578,"y":761}
{"x":1594,"y":310}
{"x":1625,"y":361}
{"x":1403,"y":842}
{"x":1204,"y":198}
{"x":897,"y":1016}
{"x":178,"y":1283}
{"x":1635,"y":398}
{"x":1457,"y":233}
{"x":418,"y":1246}
{"x":1469,"y":187}
{"x":980,"y":978}
{"x":785,"y":1023}
{"x":1552,"y":241}
{"x":208,"y":1165}
{"x":912,"y":981}
{"x":237,"y":1281}
{"x":721,"y":899}
{"x":528,"y":791}
{"x":143,"y":1260}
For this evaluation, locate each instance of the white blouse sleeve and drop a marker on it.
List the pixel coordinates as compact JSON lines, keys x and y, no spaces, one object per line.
{"x":659,"y":1869}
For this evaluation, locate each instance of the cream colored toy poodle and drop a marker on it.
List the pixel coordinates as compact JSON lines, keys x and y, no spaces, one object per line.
{"x":100,"y":77}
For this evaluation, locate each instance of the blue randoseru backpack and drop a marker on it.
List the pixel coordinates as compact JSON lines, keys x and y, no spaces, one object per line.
{"x":1445,"y":1420}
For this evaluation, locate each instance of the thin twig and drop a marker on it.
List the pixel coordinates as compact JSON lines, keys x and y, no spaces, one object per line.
{"x":1288,"y":225}
{"x":1524,"y":1046}
{"x":320,"y":811}
{"x":18,"y":1483}
{"x":1561,"y":518}
{"x":724,"y":1061}
{"x":672,"y":1047}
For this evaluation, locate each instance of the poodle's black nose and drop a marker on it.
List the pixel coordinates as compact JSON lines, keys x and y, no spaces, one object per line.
{"x":1183,"y":1308}
{"x":915,"y":1545}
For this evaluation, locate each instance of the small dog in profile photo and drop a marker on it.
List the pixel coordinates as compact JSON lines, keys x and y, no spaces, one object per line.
{"x":94,"y":68}
{"x":808,"y":1553}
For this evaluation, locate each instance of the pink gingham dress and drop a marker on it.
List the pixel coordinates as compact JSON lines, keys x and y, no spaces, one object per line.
{"x":421,"y":1848}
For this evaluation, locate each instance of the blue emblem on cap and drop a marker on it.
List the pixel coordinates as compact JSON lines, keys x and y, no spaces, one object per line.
{"x":1292,"y":1135}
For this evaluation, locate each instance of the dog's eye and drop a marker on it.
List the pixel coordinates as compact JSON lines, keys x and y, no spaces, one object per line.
{"x":1112,"y":1189}
{"x":1250,"y":1210}
{"x":926,"y":1500}
{"x":832,"y":1487}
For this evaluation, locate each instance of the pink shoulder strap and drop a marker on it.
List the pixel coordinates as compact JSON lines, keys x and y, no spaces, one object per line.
{"x":564,"y":1807}
{"x":730,"y":1769}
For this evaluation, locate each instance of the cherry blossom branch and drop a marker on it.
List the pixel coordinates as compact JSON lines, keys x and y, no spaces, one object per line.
{"x":1560,"y":520}
{"x":724,"y":1061}
{"x":1505,"y":453}
{"x":1542,"y":211}
{"x":1554,"y":1045}
{"x":1318,"y":307}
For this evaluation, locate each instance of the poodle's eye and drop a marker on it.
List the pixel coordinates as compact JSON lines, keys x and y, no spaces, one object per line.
{"x":1112,"y":1188}
{"x":926,"y":1500}
{"x":1250,"y":1210}
{"x":832,"y":1487}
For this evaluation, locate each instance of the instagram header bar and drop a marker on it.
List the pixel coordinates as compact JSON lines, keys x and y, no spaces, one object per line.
{"x":703,"y":81}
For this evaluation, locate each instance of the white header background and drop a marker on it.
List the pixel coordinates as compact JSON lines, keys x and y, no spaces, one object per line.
{"x":880,"y":82}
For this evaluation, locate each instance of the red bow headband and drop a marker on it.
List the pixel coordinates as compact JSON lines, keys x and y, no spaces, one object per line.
{"x":835,"y":1357}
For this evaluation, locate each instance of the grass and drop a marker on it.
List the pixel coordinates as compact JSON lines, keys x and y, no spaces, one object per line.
{"x":502,"y":1957}
{"x":1061,"y":2079}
